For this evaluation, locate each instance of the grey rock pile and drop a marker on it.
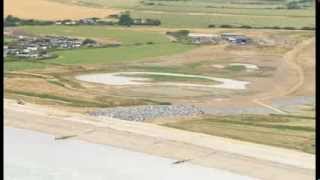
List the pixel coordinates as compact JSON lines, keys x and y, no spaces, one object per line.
{"x":148,"y":112}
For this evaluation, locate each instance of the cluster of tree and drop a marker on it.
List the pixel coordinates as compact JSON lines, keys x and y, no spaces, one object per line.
{"x":15,"y":21}
{"x":126,"y":20}
{"x":250,"y":27}
{"x":123,"y":20}
{"x":298,"y":4}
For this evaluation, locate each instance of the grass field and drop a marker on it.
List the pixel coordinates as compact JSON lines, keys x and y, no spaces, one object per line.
{"x":181,"y":20}
{"x":119,"y":54}
{"x":134,"y":45}
{"x":201,"y":13}
{"x":295,"y":132}
{"x":23,"y":65}
{"x":123,"y":35}
{"x":100,"y":56}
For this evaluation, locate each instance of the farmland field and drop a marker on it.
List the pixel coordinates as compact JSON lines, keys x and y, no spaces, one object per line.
{"x":201,"y":13}
{"x":182,"y":20}
{"x":49,"y":10}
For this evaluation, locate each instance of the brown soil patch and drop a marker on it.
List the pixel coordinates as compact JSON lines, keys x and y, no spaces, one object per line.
{"x":47,"y":10}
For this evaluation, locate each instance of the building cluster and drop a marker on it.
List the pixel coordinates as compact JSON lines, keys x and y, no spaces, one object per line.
{"x":85,"y":21}
{"x":98,"y":21}
{"x":39,"y":47}
{"x":197,"y":38}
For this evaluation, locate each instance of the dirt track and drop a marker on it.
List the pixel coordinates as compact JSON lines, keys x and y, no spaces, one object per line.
{"x":291,"y":59}
{"x":235,"y":156}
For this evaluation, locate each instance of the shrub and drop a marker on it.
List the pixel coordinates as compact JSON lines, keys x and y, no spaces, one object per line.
{"x":245,"y":27}
{"x":307,"y":28}
{"x":226,"y":26}
{"x":289,"y":28}
{"x":275,"y":27}
{"x":211,"y":26}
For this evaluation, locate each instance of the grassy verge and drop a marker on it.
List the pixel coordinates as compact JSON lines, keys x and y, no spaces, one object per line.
{"x":165,"y":78}
{"x":99,"y":102}
{"x":295,"y":132}
{"x":66,"y":100}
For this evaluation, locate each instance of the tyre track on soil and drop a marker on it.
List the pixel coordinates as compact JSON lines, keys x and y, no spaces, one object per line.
{"x":290,"y":59}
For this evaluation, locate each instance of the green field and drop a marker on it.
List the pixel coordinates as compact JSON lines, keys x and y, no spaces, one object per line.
{"x":124,"y":35}
{"x":181,"y":20}
{"x":118,"y":54}
{"x":23,"y":65}
{"x":295,"y":132}
{"x":262,"y":4}
{"x":135,"y":46}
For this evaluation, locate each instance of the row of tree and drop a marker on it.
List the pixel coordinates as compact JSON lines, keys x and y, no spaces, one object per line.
{"x":15,"y":21}
{"x":124,"y":20}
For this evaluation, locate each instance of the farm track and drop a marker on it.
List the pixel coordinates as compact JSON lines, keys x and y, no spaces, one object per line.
{"x":290,"y":59}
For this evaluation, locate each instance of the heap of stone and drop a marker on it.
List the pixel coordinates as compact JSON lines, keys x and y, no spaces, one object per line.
{"x":148,"y":112}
